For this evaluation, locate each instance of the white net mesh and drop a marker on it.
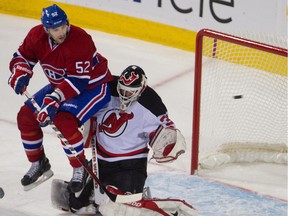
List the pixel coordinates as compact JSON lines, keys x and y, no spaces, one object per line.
{"x":243,"y":101}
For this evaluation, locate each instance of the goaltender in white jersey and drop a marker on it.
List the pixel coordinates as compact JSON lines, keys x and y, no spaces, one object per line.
{"x":133,"y":122}
{"x":124,"y":133}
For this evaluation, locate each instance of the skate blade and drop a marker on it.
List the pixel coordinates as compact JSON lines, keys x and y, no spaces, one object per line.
{"x":44,"y":177}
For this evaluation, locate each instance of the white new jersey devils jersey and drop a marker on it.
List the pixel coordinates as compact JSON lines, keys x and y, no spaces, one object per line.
{"x":126,"y":135}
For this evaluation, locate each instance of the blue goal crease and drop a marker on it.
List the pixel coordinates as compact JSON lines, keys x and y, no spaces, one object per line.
{"x":214,"y":198}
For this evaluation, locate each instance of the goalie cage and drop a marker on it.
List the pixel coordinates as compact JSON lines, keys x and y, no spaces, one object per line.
{"x":240,"y":99}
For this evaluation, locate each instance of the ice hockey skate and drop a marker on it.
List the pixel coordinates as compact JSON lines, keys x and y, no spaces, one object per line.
{"x":39,"y":172}
{"x":78,"y":179}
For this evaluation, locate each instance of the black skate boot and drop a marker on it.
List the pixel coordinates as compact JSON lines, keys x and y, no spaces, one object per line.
{"x":78,"y":179}
{"x":36,"y":170}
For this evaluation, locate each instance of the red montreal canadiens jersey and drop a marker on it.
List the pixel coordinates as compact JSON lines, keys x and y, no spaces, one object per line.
{"x":126,"y":135}
{"x":72,"y":66}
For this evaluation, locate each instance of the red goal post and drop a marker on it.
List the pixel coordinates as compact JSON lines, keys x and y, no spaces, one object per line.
{"x":234,"y":116}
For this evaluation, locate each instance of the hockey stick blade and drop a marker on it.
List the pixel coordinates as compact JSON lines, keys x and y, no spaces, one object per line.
{"x":120,"y":197}
{"x":128,"y":198}
{"x":44,"y":177}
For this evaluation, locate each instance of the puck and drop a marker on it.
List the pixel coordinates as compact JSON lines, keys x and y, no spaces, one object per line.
{"x":1,"y":193}
{"x":238,"y":96}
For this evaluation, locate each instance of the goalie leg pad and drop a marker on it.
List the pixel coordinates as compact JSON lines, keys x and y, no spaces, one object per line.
{"x":149,"y":207}
{"x":171,"y":207}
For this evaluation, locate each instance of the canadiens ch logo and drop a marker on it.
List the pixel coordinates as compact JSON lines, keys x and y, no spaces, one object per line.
{"x":114,"y":123}
{"x":55,"y":75}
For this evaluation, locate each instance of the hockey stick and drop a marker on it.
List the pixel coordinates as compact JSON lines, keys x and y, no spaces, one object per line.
{"x":99,"y":199}
{"x":110,"y":191}
{"x":98,"y":194}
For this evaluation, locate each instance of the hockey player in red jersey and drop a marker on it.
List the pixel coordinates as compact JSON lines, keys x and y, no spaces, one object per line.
{"x":78,"y":88}
{"x":133,"y":122}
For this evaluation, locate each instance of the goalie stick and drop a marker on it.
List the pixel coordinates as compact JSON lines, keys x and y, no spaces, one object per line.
{"x":91,"y":141}
{"x":113,"y":194}
{"x":97,"y":191}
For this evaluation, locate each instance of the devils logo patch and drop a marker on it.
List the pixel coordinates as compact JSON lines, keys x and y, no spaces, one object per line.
{"x":114,"y":123}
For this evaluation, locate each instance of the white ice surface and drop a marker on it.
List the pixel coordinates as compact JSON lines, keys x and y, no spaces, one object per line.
{"x":170,"y":72}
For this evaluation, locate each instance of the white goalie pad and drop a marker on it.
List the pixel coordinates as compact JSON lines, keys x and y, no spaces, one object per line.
{"x":149,"y":207}
{"x":88,"y":130}
{"x":167,"y":144}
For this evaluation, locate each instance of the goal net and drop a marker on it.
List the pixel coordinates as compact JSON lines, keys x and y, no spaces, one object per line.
{"x":240,"y":99}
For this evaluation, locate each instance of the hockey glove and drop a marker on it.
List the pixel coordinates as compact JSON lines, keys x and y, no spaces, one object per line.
{"x":167,"y":144}
{"x":49,"y":109}
{"x":20,"y":77}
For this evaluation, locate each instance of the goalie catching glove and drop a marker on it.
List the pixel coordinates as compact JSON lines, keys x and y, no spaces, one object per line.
{"x":167,"y":144}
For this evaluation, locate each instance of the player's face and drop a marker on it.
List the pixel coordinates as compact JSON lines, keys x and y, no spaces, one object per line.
{"x":126,"y":94}
{"x":59,"y":34}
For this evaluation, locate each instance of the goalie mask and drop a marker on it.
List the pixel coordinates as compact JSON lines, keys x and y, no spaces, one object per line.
{"x":131,"y":84}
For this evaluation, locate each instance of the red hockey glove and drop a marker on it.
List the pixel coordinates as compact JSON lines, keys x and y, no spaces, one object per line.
{"x":20,"y":77}
{"x":49,"y":109}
